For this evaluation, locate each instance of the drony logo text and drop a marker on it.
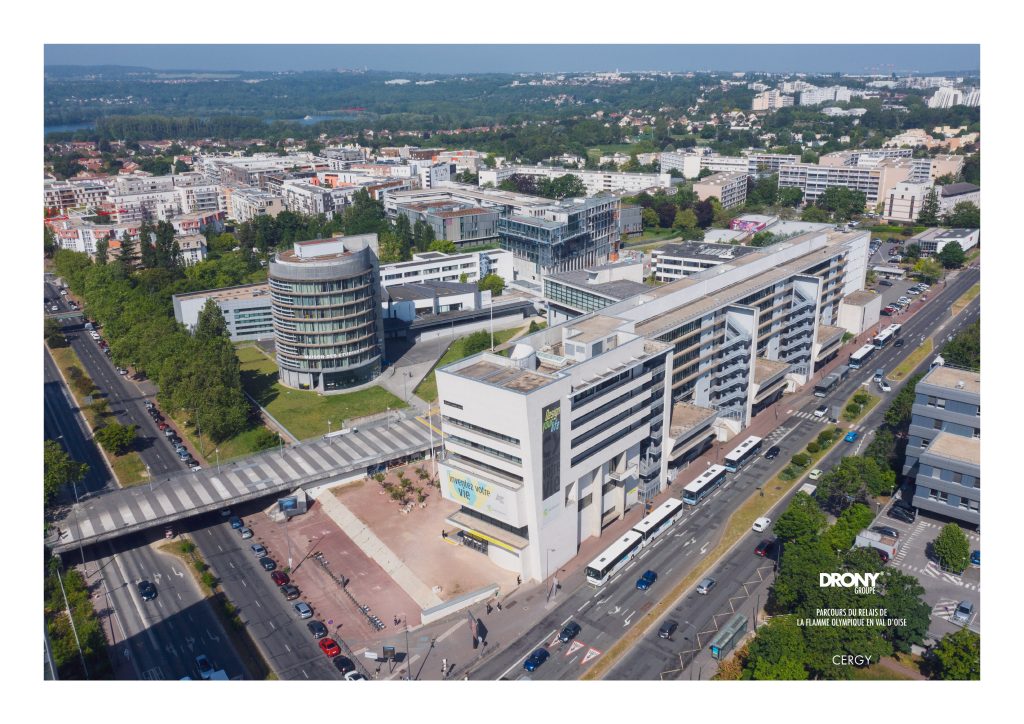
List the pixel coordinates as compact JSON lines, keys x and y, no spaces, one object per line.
{"x":861,"y":582}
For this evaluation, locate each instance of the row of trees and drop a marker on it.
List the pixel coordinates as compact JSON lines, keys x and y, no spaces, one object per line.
{"x":551,"y":188}
{"x":198,"y":372}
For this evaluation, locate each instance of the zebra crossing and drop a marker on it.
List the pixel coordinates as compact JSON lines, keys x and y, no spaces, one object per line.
{"x":934,"y":571}
{"x":803,"y":415}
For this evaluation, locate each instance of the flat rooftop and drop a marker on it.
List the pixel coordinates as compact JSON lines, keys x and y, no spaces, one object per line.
{"x":229,"y":294}
{"x":686,"y":416}
{"x":950,"y":378}
{"x":860,"y":298}
{"x":617,"y":289}
{"x":592,"y":328}
{"x":428,"y":290}
{"x":765,"y":369}
{"x":955,"y":447}
{"x":705,"y":250}
{"x":511,"y":378}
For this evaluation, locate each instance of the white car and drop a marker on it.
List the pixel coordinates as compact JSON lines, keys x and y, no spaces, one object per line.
{"x":815,"y":474}
{"x":884,"y":386}
{"x":54,"y":308}
{"x":95,"y":335}
{"x":820,"y":412}
{"x":761,"y":524}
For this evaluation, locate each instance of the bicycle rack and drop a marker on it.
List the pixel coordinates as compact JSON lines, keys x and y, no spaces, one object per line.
{"x":343,"y":582}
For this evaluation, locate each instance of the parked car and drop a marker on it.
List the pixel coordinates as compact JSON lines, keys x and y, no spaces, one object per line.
{"x":646,"y":580}
{"x":705,"y":586}
{"x":245,"y":533}
{"x":537,"y":658}
{"x":765,"y":548}
{"x":258,"y":550}
{"x":964,"y":611}
{"x":162,"y":426}
{"x":773,"y":452}
{"x":329,"y":647}
{"x":882,"y":555}
{"x":184,"y":455}
{"x":815,"y":474}
{"x":761,"y":524}
{"x":122,"y":371}
{"x":885,"y":283}
{"x":821,"y":411}
{"x":280,"y":578}
{"x":884,"y":386}
{"x":268,"y":563}
{"x":317,"y":628}
{"x":902,"y":513}
{"x":302,"y":608}
{"x":667,"y":629}
{"x":889,"y":311}
{"x":168,"y":432}
{"x":149,"y":405}
{"x":571,"y":631}
{"x":147,"y":590}
{"x":886,"y":530}
{"x":344,"y":664}
{"x":976,"y":557}
{"x":193,"y":466}
{"x":851,"y":436}
{"x":290,"y":592}
{"x":354,"y":676}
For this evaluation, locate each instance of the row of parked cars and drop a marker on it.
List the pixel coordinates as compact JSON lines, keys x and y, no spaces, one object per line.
{"x":291,"y":592}
{"x":172,"y":437}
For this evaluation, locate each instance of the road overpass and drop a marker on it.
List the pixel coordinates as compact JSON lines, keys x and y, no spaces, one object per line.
{"x":169,"y":498}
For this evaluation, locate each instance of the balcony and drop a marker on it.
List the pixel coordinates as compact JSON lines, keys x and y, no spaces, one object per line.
{"x":622,"y":476}
{"x":649,"y":466}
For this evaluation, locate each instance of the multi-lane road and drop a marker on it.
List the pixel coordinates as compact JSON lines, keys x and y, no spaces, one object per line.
{"x":606,"y":614}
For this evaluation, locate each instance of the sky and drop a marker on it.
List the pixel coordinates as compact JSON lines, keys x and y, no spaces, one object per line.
{"x":527,"y":58}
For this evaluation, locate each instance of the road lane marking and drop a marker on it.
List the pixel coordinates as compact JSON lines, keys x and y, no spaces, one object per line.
{"x":566,"y":621}
{"x":257,"y":603}
{"x":539,"y":643}
{"x":585,"y":604}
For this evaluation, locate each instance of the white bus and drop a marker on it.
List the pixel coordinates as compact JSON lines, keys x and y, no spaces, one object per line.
{"x":704,"y":484}
{"x":887,"y":335}
{"x":861,"y":356}
{"x":616,"y":555}
{"x":660,"y":518}
{"x":742,"y":453}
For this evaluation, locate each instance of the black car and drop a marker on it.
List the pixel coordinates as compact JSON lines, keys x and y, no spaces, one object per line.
{"x":268,"y":563}
{"x":174,"y":440}
{"x":317,"y":629}
{"x":886,"y":530}
{"x":667,"y":629}
{"x":290,"y":592}
{"x":147,"y":590}
{"x":898,"y":343}
{"x":902,"y":513}
{"x":885,"y":283}
{"x":343,"y":664}
{"x":773,"y":452}
{"x":571,"y":631}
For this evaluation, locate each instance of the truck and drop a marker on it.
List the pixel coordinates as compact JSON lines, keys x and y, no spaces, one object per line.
{"x":872,"y":539}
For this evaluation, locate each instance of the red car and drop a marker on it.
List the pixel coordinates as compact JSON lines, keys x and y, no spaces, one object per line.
{"x":330,"y":647}
{"x":162,"y":426}
{"x":279,"y":577}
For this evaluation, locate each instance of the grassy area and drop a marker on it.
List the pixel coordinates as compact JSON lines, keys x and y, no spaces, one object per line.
{"x":304,"y":413}
{"x":128,"y":468}
{"x":427,"y":389}
{"x":878,"y":672}
{"x":912,"y":360}
{"x":965,"y":299}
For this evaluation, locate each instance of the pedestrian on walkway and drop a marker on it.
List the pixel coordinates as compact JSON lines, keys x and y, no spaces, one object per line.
{"x":519,"y":580}
{"x":498,"y":604}
{"x":488,"y":609}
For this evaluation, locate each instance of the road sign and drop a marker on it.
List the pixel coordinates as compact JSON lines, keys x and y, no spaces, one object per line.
{"x":591,"y":654}
{"x":574,"y":646}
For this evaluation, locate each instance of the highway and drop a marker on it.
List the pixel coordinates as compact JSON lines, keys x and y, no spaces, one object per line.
{"x":606,"y":614}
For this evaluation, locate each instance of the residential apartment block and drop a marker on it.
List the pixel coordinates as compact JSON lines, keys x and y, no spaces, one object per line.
{"x":246,"y":203}
{"x":729,"y":187}
{"x":594,"y":181}
{"x":944,"y":444}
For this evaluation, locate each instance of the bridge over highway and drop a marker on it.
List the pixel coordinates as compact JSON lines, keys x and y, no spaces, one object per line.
{"x":116,"y":513}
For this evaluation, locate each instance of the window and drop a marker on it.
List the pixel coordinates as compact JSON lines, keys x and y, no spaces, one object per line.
{"x":958,"y":478}
{"x":924,"y":443}
{"x":936,"y":424}
{"x":453,"y":404}
{"x":585,"y":501}
{"x":977,"y":432}
{"x":941,"y":404}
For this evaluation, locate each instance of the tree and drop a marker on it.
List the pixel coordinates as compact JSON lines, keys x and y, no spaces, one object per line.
{"x":403,"y":236}
{"x":928,"y":270}
{"x":764,"y":238}
{"x":49,"y":241}
{"x":964,"y":350}
{"x":443,"y":246}
{"x":128,"y":257}
{"x":952,"y":255}
{"x":210,"y":322}
{"x":882,"y":448}
{"x":952,"y":548}
{"x":116,"y":438}
{"x":763,"y":191}
{"x":422,"y":235}
{"x":965,"y":215}
{"x":477,"y":342}
{"x":52,"y":334}
{"x":815,"y":214}
{"x":853,"y":479}
{"x":101,"y":251}
{"x":929,"y":214}
{"x":59,"y":470}
{"x":650,"y":217}
{"x":777,"y":652}
{"x":534,"y":327}
{"x":391,"y":249}
{"x":842,"y":201}
{"x":957,"y":657}
{"x":705,"y":212}
{"x":801,"y":521}
{"x":790,"y":196}
{"x":912,"y":252}
{"x":897,"y":417}
{"x":902,"y":599}
{"x":685,"y":219}
{"x":493,"y":283}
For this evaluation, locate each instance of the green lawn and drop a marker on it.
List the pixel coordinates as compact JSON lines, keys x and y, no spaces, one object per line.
{"x":427,"y":389}
{"x":303,"y":413}
{"x":129,"y":468}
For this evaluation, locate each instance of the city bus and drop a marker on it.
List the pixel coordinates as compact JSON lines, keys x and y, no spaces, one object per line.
{"x":861,"y":356}
{"x":887,"y":335}
{"x":704,"y":484}
{"x":742,"y":453}
{"x":660,"y":518}
{"x":831,"y":381}
{"x":613,"y":558}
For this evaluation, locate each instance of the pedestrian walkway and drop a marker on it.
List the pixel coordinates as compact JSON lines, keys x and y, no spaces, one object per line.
{"x":376,"y":549}
{"x":824,"y":420}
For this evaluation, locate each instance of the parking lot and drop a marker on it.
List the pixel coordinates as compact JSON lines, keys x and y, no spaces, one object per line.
{"x":943,"y":590}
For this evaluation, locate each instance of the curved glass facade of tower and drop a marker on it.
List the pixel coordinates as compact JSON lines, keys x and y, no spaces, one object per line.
{"x":328,"y":328}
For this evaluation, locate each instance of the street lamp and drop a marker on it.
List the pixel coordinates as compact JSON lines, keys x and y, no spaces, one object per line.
{"x":408,"y":652}
{"x":329,"y":439}
{"x":547,"y":568}
{"x":216,"y":450}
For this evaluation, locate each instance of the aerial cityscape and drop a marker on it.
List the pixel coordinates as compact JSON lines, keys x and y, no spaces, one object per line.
{"x":361,"y":373}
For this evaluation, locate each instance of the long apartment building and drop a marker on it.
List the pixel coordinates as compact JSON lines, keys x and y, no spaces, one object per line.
{"x":874,"y":177}
{"x":944,"y":444}
{"x":595,"y":412}
{"x":691,"y":164}
{"x":75,"y":193}
{"x":594,"y":181}
{"x":729,"y":187}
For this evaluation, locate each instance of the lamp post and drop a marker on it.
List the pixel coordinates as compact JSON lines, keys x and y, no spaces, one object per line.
{"x":216,"y":450}
{"x":547,"y":569}
{"x":408,"y":652}
{"x":329,"y":438}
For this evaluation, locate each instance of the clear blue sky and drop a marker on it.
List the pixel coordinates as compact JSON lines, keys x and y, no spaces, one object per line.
{"x":526,"y":58}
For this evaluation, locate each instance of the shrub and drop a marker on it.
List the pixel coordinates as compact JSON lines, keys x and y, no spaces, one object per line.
{"x":825,"y":438}
{"x":801,"y":460}
{"x":813,"y":448}
{"x":187,"y":546}
{"x":199,"y":565}
{"x":862,"y":398}
{"x":209,"y":580}
{"x":853,"y":409}
{"x":789,"y":473}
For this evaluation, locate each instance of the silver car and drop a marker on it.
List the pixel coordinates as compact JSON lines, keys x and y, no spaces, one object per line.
{"x":302,"y":608}
{"x":964,"y":612}
{"x":705,"y":586}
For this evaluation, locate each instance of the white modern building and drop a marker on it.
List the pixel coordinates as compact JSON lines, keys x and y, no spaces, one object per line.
{"x":191,"y":248}
{"x":672,"y":262}
{"x":434,"y":266}
{"x":574,"y":293}
{"x":932,"y":241}
{"x":247,"y":310}
{"x":245,"y":204}
{"x":594,"y":181}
